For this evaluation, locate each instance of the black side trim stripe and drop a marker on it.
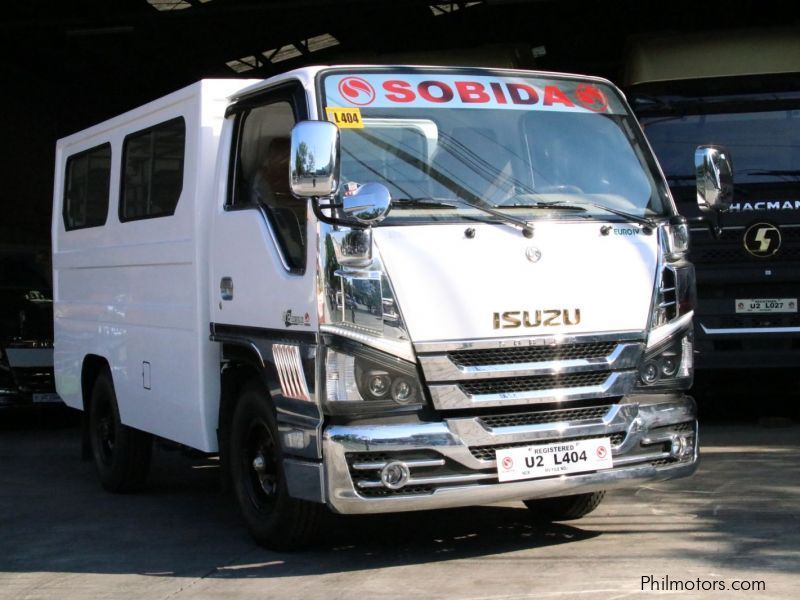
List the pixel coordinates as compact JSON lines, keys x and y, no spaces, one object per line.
{"x":222,"y":332}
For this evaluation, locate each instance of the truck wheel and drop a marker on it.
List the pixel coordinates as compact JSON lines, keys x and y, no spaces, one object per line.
{"x":274,"y":519}
{"x":121,"y":454}
{"x":565,"y":508}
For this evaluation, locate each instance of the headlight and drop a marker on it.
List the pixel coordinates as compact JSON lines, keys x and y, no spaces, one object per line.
{"x":669,"y":352}
{"x":670,"y":363}
{"x":361,"y":380}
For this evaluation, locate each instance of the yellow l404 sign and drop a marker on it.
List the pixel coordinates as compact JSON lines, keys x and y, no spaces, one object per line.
{"x":344,"y":116}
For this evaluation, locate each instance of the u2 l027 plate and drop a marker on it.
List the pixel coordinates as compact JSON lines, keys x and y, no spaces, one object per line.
{"x":548,"y":460}
{"x":766,"y":305}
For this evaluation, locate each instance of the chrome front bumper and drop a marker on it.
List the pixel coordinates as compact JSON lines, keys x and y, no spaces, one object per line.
{"x":451,"y":463}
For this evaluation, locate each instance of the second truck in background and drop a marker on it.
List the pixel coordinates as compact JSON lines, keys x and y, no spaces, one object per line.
{"x":740,"y":91}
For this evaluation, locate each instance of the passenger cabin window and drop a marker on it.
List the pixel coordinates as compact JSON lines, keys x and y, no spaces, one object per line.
{"x":152,"y":176}
{"x":86,"y":185}
{"x":262,"y":176}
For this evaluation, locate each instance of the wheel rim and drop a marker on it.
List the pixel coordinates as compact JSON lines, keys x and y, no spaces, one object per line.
{"x":105,"y":431}
{"x":260,"y":466}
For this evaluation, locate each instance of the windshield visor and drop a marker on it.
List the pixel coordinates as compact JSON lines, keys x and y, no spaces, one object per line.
{"x":535,"y":147}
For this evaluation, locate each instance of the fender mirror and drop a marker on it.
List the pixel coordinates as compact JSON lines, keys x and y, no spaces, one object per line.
{"x":369,"y":205}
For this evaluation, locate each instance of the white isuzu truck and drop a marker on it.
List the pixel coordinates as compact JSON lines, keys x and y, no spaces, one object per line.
{"x":378,"y":289}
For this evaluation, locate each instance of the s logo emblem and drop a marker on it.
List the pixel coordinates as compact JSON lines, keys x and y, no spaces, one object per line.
{"x":762,"y":240}
{"x":591,"y":97}
{"x":357,"y":91}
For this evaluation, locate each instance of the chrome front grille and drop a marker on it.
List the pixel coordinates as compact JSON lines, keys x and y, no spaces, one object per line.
{"x":574,"y":415}
{"x":537,"y":370}
{"x":509,"y":356}
{"x":533,"y":384}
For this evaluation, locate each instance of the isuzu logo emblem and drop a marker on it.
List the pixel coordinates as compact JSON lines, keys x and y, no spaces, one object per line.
{"x":533,"y":253}
{"x":762,"y":240}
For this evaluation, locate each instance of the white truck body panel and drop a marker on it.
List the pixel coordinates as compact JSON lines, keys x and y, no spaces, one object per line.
{"x":136,"y":292}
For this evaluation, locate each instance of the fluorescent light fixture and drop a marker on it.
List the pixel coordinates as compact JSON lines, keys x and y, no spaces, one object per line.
{"x":164,"y":5}
{"x":285,"y":52}
{"x":450,"y":7}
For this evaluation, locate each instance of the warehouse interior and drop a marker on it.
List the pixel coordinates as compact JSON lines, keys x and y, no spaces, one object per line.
{"x":68,"y":65}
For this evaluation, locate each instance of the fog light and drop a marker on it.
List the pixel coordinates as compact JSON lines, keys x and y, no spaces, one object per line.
{"x":688,"y":447}
{"x":681,"y":446}
{"x":395,"y":475}
{"x":649,"y":372}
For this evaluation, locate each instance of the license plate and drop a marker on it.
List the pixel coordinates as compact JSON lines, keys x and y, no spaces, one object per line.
{"x":766,"y":305}
{"x":560,"y":458}
{"x":46,"y":398}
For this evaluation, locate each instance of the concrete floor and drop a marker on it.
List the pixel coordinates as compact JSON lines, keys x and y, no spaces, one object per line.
{"x":62,"y":537}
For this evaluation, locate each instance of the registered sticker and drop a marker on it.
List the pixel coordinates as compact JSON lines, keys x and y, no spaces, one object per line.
{"x":766,"y":305}
{"x":548,"y":460}
{"x":345,"y":116}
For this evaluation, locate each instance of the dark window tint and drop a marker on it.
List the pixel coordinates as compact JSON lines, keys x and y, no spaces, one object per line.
{"x":88,"y":176}
{"x":262,"y":176}
{"x":765,"y":145}
{"x":152,"y":176}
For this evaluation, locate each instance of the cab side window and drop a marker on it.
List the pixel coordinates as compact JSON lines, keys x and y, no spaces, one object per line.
{"x":262,"y":176}
{"x":86,"y":186}
{"x":152,"y":176}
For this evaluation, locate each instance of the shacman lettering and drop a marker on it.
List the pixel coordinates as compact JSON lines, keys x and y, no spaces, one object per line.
{"x":766,"y":205}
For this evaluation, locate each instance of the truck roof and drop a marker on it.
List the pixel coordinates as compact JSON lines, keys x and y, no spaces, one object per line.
{"x":236,"y":89}
{"x":218,"y":87}
{"x":307,"y":74}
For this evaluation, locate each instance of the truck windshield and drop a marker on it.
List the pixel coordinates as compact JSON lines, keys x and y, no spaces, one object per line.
{"x":765,"y":145}
{"x":532,"y":147}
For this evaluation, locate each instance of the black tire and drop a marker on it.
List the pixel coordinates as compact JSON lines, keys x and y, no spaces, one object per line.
{"x":121,"y":454}
{"x":274,"y":519}
{"x":565,"y":508}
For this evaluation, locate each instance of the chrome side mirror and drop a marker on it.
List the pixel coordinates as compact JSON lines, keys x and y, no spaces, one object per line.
{"x":714,"y":172}
{"x":314,"y":159}
{"x":369,"y":205}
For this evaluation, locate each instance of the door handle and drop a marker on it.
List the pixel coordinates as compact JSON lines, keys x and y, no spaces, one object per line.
{"x":226,"y":288}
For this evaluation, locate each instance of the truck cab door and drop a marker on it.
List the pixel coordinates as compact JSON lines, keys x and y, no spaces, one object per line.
{"x":262,"y":262}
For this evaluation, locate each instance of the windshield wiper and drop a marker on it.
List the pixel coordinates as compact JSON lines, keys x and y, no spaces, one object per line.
{"x":773,"y":172}
{"x":645,"y":102}
{"x":522,"y":224}
{"x":559,"y":204}
{"x":582,"y":204}
{"x":422,"y":202}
